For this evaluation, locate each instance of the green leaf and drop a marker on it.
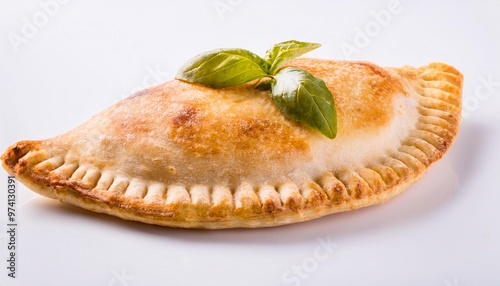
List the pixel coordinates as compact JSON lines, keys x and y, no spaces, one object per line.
{"x":305,"y":98}
{"x":284,"y":52}
{"x":224,"y":68}
{"x":264,"y":84}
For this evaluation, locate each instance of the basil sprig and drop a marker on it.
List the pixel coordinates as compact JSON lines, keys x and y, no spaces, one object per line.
{"x":282,"y":53}
{"x":296,"y":92}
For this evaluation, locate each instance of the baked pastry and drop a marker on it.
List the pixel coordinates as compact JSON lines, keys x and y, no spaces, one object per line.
{"x":186,"y":155}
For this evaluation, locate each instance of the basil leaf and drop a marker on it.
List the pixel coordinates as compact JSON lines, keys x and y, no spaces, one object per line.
{"x":305,"y":98}
{"x":284,"y":52}
{"x":264,"y":84}
{"x":224,"y":68}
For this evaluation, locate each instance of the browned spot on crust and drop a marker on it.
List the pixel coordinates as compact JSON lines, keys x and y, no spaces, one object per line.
{"x":185,"y":117}
{"x":376,"y":70}
{"x":211,"y":134}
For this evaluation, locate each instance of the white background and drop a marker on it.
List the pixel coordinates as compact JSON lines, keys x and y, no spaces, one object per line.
{"x":82,"y":56}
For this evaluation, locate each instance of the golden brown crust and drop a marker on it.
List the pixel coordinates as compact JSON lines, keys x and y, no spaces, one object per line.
{"x":368,"y":85}
{"x":171,"y":156}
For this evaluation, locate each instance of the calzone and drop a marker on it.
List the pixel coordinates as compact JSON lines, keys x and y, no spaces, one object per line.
{"x":185,"y":155}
